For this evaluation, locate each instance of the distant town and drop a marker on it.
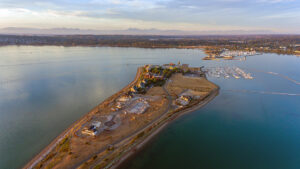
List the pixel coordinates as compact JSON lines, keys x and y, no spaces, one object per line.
{"x":214,"y":45}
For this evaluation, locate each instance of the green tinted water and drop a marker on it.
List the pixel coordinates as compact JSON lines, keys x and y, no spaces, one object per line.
{"x":44,"y":89}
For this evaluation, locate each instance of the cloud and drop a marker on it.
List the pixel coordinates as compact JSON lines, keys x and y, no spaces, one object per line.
{"x":244,"y":14}
{"x":275,"y":1}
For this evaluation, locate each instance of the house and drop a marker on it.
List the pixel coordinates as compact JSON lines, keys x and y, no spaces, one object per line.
{"x":148,"y":76}
{"x":158,"y":77}
{"x":185,"y":67}
{"x":134,"y":89}
{"x":183,"y":100}
{"x":148,"y":68}
{"x":141,"y":85}
{"x":93,"y":129}
{"x":124,"y":98}
{"x":96,"y":124}
{"x":92,"y":132}
{"x":145,"y":81}
{"x":170,"y":66}
{"x":118,"y":106}
{"x":283,"y":47}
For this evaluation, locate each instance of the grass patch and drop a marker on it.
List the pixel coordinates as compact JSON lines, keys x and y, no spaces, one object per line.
{"x":95,"y":156}
{"x":64,"y":145}
{"x":141,"y":134}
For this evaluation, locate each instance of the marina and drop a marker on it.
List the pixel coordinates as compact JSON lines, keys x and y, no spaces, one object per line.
{"x":227,"y":54}
{"x":228,"y":72}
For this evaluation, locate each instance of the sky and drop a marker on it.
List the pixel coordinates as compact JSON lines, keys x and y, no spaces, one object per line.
{"x":187,"y":15}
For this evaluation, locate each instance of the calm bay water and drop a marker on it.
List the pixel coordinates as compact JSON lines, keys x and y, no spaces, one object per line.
{"x":44,"y":89}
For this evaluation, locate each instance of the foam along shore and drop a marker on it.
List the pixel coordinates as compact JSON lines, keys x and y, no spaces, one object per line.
{"x":107,"y":135}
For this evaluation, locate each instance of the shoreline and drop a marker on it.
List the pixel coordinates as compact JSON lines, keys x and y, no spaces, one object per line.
{"x":179,"y":114}
{"x":112,"y":46}
{"x":201,"y":47}
{"x":165,"y":119}
{"x":45,"y":151}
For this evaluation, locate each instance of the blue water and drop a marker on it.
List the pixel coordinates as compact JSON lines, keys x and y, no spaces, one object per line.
{"x":44,"y":89}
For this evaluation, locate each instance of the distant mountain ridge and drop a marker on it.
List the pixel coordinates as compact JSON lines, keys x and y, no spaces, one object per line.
{"x":130,"y":31}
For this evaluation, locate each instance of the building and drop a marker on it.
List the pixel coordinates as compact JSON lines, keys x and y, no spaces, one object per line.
{"x":96,"y":124}
{"x":158,"y":77}
{"x":147,"y":76}
{"x":184,"y":100}
{"x":92,"y":132}
{"x":148,"y":68}
{"x":93,"y":129}
{"x":134,"y":89}
{"x":185,"y":67}
{"x":170,"y":66}
{"x":145,"y":81}
{"x":124,"y":98}
{"x":141,"y":84}
{"x":118,"y":106}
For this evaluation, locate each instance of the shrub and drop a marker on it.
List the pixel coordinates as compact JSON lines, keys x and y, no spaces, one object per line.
{"x":95,"y":156}
{"x":65,"y":145}
{"x":141,"y":134}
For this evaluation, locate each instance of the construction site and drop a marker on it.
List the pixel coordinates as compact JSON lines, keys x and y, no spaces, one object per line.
{"x":115,"y":126}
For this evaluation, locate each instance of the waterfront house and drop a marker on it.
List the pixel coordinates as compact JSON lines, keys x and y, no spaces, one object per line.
{"x":145,"y":81}
{"x":96,"y":124}
{"x":184,"y":100}
{"x":147,"y":76}
{"x":148,"y":68}
{"x":134,"y":89}
{"x":185,"y":67}
{"x":141,"y":85}
{"x":124,"y":98}
{"x":93,"y":129}
{"x":92,"y":132}
{"x":170,"y":66}
{"x":158,"y":77}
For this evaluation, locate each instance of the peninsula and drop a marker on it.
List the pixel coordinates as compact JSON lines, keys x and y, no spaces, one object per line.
{"x":116,"y":128}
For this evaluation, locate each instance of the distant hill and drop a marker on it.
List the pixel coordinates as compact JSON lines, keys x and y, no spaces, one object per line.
{"x":130,"y":31}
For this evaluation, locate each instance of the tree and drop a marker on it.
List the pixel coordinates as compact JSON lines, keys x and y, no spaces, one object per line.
{"x":155,"y":70}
